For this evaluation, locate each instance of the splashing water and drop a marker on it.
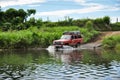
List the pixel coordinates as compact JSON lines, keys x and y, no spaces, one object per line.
{"x":52,"y":48}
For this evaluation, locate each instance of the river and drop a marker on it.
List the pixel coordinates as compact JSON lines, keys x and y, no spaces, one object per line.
{"x":60,"y":65}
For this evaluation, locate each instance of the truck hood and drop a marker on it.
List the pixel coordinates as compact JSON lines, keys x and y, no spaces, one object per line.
{"x":60,"y":40}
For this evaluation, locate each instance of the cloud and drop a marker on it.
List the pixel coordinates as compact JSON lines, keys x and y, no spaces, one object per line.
{"x":79,"y":1}
{"x":33,"y":5}
{"x":90,"y":9}
{"x":86,"y":3}
{"x":71,"y":11}
{"x":5,"y":3}
{"x":110,"y":8}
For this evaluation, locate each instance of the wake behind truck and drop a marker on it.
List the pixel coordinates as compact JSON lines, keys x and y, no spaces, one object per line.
{"x":69,"y":38}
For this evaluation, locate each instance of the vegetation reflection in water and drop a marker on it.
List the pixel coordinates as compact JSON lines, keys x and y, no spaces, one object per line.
{"x":64,"y":64}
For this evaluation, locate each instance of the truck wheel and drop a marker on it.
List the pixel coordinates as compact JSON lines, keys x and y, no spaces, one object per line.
{"x":77,"y":45}
{"x":56,"y":48}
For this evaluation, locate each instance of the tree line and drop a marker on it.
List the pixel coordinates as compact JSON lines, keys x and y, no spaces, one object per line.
{"x":13,"y":19}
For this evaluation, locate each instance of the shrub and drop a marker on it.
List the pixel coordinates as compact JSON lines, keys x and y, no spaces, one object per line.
{"x":117,"y":47}
{"x":43,"y":37}
{"x":111,"y":42}
{"x":89,"y":25}
{"x":115,"y":26}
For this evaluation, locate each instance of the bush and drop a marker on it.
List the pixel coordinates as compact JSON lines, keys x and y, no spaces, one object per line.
{"x":89,"y":25}
{"x":115,"y":26}
{"x":43,"y":37}
{"x":111,"y":42}
{"x":19,"y":39}
{"x":117,"y":47}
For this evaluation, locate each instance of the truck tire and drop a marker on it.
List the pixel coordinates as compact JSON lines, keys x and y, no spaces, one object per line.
{"x":77,"y":45}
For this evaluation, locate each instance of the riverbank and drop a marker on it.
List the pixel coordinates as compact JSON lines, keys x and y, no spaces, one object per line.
{"x":112,"y":41}
{"x":102,"y":40}
{"x":37,"y":39}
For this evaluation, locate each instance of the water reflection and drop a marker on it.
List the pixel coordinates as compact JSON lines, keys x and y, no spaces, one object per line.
{"x":68,"y":56}
{"x":96,"y":57}
{"x":60,"y":65}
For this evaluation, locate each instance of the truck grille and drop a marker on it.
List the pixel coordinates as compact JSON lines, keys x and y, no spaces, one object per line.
{"x":57,"y":43}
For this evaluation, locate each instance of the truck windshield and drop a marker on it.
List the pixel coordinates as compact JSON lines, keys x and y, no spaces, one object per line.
{"x":65,"y":37}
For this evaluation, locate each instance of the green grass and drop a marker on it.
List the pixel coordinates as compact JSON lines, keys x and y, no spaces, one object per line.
{"x":112,"y":42}
{"x":42,"y":37}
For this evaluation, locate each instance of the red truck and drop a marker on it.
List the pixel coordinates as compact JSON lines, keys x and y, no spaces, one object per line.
{"x":70,"y":38}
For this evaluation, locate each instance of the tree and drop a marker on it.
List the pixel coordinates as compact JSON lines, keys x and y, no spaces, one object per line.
{"x":16,"y":20}
{"x":39,"y":23}
{"x":106,"y":20}
{"x":70,"y":21}
{"x":1,"y":15}
{"x":0,"y":9}
{"x":89,"y":25}
{"x":98,"y":21}
{"x":22,"y":14}
{"x":32,"y":21}
{"x":20,"y":26}
{"x":31,"y":11}
{"x":10,"y":14}
{"x":6,"y":26}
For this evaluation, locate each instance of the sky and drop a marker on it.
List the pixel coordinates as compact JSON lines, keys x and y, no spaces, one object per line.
{"x":55,"y":10}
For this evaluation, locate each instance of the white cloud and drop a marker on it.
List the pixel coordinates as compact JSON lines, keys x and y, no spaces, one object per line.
{"x":71,"y":11}
{"x":110,"y":8}
{"x":80,"y":1}
{"x":33,"y":5}
{"x":87,"y":3}
{"x":5,"y":3}
{"x":92,"y":8}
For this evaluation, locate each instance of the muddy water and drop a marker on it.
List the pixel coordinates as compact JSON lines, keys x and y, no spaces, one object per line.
{"x":60,"y":65}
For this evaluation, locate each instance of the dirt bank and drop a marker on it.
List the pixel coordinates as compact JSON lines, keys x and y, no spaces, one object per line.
{"x":98,"y":41}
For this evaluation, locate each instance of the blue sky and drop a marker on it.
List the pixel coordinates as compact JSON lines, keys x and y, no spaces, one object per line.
{"x":58,"y":9}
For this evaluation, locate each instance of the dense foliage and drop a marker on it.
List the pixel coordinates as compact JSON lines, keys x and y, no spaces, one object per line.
{"x":34,"y":37}
{"x":13,"y":19}
{"x":115,"y":26}
{"x":112,"y":42}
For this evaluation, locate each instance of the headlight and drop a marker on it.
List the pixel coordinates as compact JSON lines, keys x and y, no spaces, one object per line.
{"x":54,"y":42}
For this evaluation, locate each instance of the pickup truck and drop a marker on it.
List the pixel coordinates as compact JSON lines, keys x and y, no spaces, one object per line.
{"x":70,"y":38}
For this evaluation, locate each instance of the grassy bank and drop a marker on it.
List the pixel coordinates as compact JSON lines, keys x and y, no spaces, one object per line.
{"x":112,"y":42}
{"x":34,"y":37}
